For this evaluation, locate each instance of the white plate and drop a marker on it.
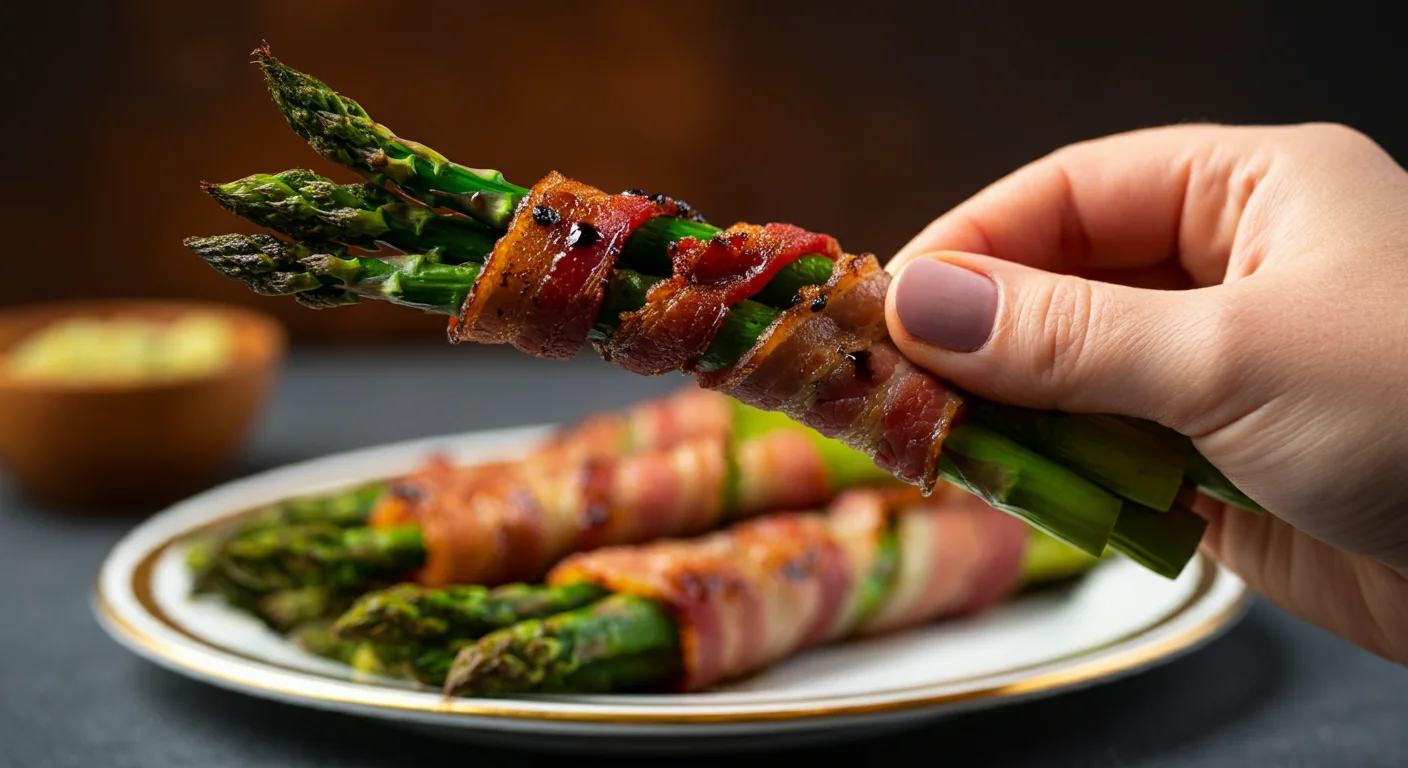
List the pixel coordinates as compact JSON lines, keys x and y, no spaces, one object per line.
{"x":1116,"y":620}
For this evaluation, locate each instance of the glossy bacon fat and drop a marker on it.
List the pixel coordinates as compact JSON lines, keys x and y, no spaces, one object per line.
{"x":765,"y":589}
{"x":827,"y":361}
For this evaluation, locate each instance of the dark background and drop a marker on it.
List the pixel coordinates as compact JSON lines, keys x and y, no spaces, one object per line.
{"x":863,"y":120}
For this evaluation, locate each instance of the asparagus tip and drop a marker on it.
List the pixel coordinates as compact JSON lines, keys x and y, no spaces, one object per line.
{"x":312,"y":109}
{"x":490,"y":666}
{"x":263,"y":262}
{"x":378,"y":614}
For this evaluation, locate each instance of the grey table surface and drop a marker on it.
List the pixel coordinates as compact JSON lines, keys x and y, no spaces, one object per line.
{"x":1270,"y":692}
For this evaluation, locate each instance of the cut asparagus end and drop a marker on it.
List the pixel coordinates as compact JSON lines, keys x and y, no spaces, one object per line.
{"x":1210,"y":480}
{"x":560,"y":652}
{"x":1200,"y":472}
{"x":1163,"y":542}
{"x":1132,"y":463}
{"x":1022,"y":482}
{"x":341,"y":131}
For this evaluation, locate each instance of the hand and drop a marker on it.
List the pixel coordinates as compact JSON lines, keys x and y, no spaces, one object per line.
{"x":1247,"y":287}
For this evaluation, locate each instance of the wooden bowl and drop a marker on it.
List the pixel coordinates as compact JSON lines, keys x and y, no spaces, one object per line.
{"x":84,"y":444}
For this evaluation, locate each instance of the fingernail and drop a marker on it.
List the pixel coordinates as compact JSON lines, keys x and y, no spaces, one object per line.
{"x":946,"y":305}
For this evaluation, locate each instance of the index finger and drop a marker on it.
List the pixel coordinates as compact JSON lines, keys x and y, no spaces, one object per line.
{"x":1126,"y":201}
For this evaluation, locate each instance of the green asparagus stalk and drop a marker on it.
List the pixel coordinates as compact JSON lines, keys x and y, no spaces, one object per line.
{"x":317,"y":554}
{"x":333,"y":277}
{"x":428,"y":666}
{"x":581,"y":651}
{"x":204,"y":553}
{"x":410,"y":614}
{"x":550,"y":655}
{"x":1158,"y":540}
{"x":306,"y":206}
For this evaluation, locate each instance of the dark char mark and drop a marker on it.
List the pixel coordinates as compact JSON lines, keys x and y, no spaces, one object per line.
{"x":582,"y":235}
{"x":545,"y":215}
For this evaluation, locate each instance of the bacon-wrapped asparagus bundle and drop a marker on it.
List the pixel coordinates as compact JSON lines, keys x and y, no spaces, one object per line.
{"x":299,"y":553}
{"x":515,"y":526}
{"x":708,"y":461}
{"x":776,"y":316}
{"x":689,"y":614}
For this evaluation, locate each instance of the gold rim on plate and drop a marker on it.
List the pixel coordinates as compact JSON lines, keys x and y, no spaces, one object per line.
{"x":251,"y":674}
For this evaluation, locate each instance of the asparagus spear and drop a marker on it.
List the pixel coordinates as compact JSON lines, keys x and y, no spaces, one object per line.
{"x":317,"y":554}
{"x":578,"y":651}
{"x":548,"y":655}
{"x":331,"y":276}
{"x":205,"y":552}
{"x":306,"y":206}
{"x":412,"y":614}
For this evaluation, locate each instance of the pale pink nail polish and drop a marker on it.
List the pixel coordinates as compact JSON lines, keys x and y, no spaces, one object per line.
{"x":946,"y":305}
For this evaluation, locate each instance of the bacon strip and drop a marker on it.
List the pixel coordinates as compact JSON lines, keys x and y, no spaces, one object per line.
{"x":685,"y":312}
{"x":515,"y":526}
{"x":828,"y":363}
{"x":780,"y":470}
{"x":751,"y":595}
{"x":543,"y":286}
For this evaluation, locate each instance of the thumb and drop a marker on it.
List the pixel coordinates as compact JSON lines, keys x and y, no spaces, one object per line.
{"x":1022,"y":336}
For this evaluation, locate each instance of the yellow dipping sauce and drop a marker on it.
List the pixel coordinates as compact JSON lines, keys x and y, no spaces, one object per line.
{"x":91,"y":350}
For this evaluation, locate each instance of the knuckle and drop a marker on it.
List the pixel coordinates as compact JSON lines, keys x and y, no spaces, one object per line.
{"x":1336,"y":137}
{"x":1056,"y":326}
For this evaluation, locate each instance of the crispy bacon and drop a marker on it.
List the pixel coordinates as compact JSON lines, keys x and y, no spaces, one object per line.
{"x":685,"y":312}
{"x":748,"y":596}
{"x":543,"y":285}
{"x":827,"y":361}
